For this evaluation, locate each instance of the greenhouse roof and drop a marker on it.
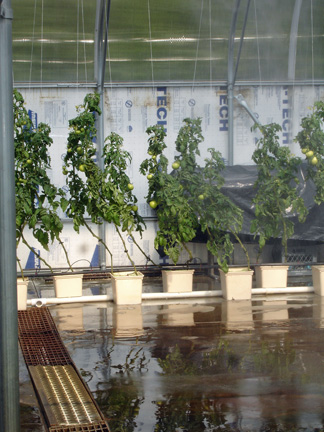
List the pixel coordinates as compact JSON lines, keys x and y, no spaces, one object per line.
{"x":176,"y":41}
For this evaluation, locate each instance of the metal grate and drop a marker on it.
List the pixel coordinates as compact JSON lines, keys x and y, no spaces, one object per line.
{"x":98,"y":427}
{"x":65,"y":400}
{"x":39,"y":339}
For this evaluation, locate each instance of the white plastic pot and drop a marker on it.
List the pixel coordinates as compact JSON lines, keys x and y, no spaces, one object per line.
{"x":68,"y":285}
{"x":318,"y":279}
{"x":22,"y":287}
{"x":271,"y":276}
{"x":236,"y":284}
{"x":177,"y":280}
{"x":127,"y":287}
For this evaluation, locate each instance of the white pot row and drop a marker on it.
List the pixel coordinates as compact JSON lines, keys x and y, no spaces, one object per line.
{"x":127,"y":286}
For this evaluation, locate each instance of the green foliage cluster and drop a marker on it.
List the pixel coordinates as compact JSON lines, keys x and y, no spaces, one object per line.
{"x":37,"y":199}
{"x":277,"y":197}
{"x":176,"y":219}
{"x":311,"y":139}
{"x":103,"y":194}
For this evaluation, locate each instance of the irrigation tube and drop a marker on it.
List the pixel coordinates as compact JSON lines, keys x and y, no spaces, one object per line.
{"x":39,"y":302}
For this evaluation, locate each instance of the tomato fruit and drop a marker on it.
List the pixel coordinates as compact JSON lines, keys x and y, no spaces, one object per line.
{"x":134,"y":208}
{"x":310,"y":153}
{"x":175,"y":165}
{"x":130,"y":186}
{"x":150,"y":176}
{"x":304,"y":150}
{"x":82,"y":168}
{"x":314,"y":161}
{"x":29,"y":161}
{"x":153,"y":204}
{"x":201,"y":197}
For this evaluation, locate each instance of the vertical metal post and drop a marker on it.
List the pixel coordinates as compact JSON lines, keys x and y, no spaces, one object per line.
{"x":230,"y":84}
{"x":102,"y":21}
{"x":9,"y":366}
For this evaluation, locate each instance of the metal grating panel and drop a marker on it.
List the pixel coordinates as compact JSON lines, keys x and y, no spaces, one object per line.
{"x":98,"y":427}
{"x":39,"y":339}
{"x":65,"y":400}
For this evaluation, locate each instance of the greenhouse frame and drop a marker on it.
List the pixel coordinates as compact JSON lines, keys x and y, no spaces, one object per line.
{"x":232,"y":63}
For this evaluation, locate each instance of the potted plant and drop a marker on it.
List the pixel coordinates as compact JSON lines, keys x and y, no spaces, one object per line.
{"x":219,"y":218}
{"x":310,"y":139}
{"x":105,"y":195}
{"x":177,"y":223}
{"x":37,"y":199}
{"x":276,"y":200}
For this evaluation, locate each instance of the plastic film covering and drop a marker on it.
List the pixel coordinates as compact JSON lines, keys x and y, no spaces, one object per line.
{"x":239,"y":186}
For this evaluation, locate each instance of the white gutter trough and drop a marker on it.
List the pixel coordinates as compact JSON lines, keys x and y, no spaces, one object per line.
{"x":39,"y":302}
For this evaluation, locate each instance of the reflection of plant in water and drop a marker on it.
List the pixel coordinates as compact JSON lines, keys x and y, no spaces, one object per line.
{"x":217,"y":360}
{"x":275,"y":359}
{"x":133,"y":360}
{"x":186,"y":412}
{"x":120,"y":403}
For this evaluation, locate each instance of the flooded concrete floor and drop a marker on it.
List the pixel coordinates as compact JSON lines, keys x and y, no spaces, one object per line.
{"x":199,"y":365}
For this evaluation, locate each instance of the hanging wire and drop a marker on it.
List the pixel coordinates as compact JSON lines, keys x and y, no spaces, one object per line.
{"x":84,"y":43}
{"x":42,"y":44}
{"x":312,"y":30}
{"x":32,"y":46}
{"x":77,"y":42}
{"x":150,"y":36}
{"x":258,"y":46}
{"x":197,"y":49}
{"x":210,"y":45}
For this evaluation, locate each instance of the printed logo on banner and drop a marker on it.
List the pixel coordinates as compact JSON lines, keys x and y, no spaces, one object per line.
{"x":161,"y":104}
{"x":33,"y":117}
{"x":286,"y":120}
{"x":33,"y":262}
{"x":223,"y":113}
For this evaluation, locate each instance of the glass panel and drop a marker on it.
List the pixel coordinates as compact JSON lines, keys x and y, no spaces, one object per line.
{"x":53,"y":42}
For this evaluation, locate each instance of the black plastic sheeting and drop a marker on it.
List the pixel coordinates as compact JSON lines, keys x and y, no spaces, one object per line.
{"x":239,"y":186}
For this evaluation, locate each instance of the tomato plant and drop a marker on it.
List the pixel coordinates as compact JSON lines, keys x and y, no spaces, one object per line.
{"x":37,"y":199}
{"x":177,"y":223}
{"x":311,"y":139}
{"x":103,"y":194}
{"x":218,"y":216}
{"x":277,"y":198}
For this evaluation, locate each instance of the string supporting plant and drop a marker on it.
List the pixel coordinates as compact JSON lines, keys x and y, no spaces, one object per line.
{"x":38,"y":201}
{"x":277,"y":199}
{"x":177,"y":223}
{"x":101,"y":194}
{"x":218,"y":216}
{"x":311,"y":139}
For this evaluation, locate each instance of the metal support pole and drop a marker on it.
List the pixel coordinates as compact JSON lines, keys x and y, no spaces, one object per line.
{"x":9,"y":366}
{"x":230,"y":84}
{"x":102,"y":21}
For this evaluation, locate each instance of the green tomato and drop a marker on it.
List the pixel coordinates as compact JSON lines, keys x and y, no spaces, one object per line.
{"x":29,"y":161}
{"x":82,"y":167}
{"x":130,"y":186}
{"x":134,"y":208}
{"x":201,"y":197}
{"x":153,"y":204}
{"x":77,"y":132}
{"x":314,"y":161}
{"x":305,"y":150}
{"x":150,"y":176}
{"x":79,"y":150}
{"x":153,"y":157}
{"x":175,"y":165}
{"x":309,"y":154}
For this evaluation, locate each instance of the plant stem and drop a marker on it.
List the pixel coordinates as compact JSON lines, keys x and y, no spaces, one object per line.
{"x":103,"y":243}
{"x":125,"y":248}
{"x":141,"y":250}
{"x":35,"y":253}
{"x":65,"y":252}
{"x":243,"y":248}
{"x":21,"y":269}
{"x":188,"y":251}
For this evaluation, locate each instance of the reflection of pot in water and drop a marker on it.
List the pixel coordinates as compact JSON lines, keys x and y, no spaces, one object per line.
{"x":274,"y":310}
{"x":177,"y":315}
{"x":237,"y":314}
{"x":70,"y":317}
{"x":128,"y":321}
